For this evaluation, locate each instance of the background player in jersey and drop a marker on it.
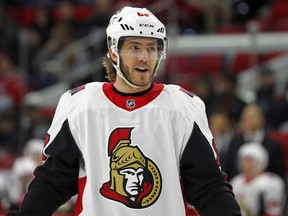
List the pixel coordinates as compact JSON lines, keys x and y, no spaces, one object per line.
{"x":101,"y":129}
{"x":258,"y":192}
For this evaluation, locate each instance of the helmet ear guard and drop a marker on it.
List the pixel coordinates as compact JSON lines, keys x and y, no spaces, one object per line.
{"x":114,"y":50}
{"x":163,"y":50}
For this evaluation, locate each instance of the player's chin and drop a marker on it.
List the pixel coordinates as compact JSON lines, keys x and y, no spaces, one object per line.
{"x":142,"y":80}
{"x":143,"y":83}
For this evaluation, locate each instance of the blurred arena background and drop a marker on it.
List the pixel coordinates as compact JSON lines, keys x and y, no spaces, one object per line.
{"x":229,"y":52}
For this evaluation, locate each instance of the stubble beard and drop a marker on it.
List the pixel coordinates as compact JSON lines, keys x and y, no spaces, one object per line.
{"x":140,"y":81}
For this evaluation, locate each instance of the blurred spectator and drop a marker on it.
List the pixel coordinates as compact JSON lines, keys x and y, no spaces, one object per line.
{"x":9,"y":187}
{"x":33,"y":149}
{"x":48,"y":60}
{"x":25,"y":165}
{"x":18,"y":179}
{"x":258,"y":193}
{"x":42,"y":25}
{"x":35,"y":123}
{"x":9,"y":132}
{"x":13,"y":85}
{"x":252,"y":129}
{"x":203,"y":89}
{"x":271,"y":99}
{"x":98,"y":22}
{"x":101,"y":14}
{"x":21,"y":174}
{"x":9,"y":42}
{"x":23,"y":171}
{"x":12,"y":89}
{"x":64,"y":15}
{"x":223,"y":131}
{"x":38,"y":35}
{"x":226,"y":98}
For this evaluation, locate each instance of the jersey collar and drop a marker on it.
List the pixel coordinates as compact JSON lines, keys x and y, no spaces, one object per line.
{"x":133,"y":101}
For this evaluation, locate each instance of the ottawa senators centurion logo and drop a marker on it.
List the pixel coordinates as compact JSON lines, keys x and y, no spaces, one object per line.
{"x":135,"y":179}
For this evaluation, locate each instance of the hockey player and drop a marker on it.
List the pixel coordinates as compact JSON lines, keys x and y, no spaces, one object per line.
{"x":130,"y":146}
{"x":259,"y":193}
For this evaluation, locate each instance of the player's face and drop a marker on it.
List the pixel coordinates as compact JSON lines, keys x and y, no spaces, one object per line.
{"x":248,"y":166}
{"x":138,"y":57}
{"x":251,"y":119}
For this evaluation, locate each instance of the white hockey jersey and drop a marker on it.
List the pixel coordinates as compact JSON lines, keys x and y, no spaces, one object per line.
{"x":264,"y":195}
{"x":143,"y":154}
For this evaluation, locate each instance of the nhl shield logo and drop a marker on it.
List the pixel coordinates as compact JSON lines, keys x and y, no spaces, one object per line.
{"x":130,"y":103}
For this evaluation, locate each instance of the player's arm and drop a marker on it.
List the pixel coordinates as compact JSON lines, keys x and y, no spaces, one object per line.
{"x":204,"y":184}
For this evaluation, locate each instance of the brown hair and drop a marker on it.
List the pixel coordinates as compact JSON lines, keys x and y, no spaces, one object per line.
{"x":110,"y":70}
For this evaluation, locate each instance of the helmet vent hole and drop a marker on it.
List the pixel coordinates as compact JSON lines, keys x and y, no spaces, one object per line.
{"x":126,"y":27}
{"x":161,"y":30}
{"x":140,"y":32}
{"x":151,"y":33}
{"x":120,"y":19}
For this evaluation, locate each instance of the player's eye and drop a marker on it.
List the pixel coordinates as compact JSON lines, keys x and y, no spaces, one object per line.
{"x":151,"y":49}
{"x":135,"y":48}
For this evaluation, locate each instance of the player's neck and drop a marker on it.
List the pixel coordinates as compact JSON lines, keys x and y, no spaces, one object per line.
{"x":251,"y":175}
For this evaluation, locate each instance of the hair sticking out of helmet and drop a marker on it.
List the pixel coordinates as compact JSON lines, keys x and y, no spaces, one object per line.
{"x":135,"y":22}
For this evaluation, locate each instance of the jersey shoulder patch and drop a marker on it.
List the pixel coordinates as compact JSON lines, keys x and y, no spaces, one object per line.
{"x":76,"y":89}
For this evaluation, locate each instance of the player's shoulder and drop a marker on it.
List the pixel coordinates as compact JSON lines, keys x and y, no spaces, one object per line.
{"x":271,"y":177}
{"x":177,"y":90}
{"x":179,"y":93}
{"x":267,"y":178}
{"x":184,"y":101}
{"x":78,"y":91}
{"x":79,"y":98}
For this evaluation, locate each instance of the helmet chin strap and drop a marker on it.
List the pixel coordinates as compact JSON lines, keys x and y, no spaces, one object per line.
{"x":117,"y":67}
{"x":120,"y":73}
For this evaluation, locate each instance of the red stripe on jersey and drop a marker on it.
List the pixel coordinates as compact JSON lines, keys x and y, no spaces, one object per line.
{"x":133,"y":101}
{"x":79,"y":206}
{"x":77,"y":89}
{"x":217,"y":155}
{"x":47,"y":139}
{"x":187,"y":92}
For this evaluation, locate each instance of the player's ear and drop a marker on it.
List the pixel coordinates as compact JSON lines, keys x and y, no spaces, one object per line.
{"x":113,"y":54}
